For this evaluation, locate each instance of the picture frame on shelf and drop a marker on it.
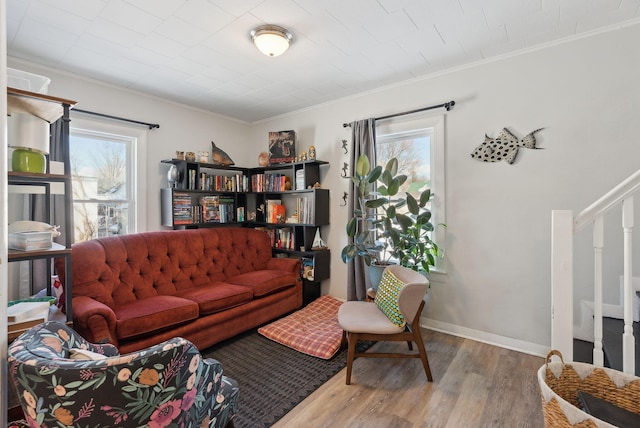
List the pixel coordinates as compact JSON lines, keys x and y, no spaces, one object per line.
{"x":282,"y":147}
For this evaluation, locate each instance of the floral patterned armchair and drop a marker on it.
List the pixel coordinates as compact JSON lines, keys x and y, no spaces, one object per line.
{"x":63,"y":380}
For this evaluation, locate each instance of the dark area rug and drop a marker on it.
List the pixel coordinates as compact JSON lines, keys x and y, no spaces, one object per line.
{"x":273,"y":379}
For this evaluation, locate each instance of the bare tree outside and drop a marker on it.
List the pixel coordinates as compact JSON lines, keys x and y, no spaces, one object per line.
{"x":98,"y":169}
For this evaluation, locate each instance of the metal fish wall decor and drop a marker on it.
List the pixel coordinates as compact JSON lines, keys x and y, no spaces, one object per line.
{"x":503,"y":147}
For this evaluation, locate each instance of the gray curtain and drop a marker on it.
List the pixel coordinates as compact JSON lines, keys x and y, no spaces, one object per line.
{"x":38,"y":212}
{"x":363,"y":141}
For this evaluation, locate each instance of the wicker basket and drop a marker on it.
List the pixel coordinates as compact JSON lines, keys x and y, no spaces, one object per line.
{"x":560,"y":383}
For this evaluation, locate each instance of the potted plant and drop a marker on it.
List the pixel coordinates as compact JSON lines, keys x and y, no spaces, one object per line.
{"x":411,"y":241}
{"x":366,"y":221}
{"x":389,"y":234}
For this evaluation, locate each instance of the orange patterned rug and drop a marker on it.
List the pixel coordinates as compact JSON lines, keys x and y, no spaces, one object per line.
{"x":312,"y":330}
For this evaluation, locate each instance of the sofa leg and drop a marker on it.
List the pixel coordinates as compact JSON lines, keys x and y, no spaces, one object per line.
{"x":229,"y":424}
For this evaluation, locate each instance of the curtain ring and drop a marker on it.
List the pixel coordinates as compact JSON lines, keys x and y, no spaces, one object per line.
{"x":344,"y":146}
{"x":344,"y":198}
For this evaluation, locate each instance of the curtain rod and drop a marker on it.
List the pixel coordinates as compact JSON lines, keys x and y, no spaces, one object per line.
{"x":448,"y":106}
{"x":93,"y":113}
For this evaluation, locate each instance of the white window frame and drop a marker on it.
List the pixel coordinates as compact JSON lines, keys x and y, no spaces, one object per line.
{"x":136,"y":168}
{"x":411,"y":126}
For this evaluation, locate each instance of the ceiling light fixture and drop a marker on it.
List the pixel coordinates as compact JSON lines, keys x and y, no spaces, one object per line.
{"x":271,"y":40}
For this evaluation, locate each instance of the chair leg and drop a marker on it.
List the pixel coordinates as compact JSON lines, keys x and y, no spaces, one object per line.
{"x":352,"y":339}
{"x":423,"y":353}
{"x":410,"y":344}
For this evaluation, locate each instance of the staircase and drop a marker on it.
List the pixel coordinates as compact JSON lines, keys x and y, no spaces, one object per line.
{"x":620,"y":344}
{"x":612,"y":345}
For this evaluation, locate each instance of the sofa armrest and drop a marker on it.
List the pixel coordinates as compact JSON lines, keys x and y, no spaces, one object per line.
{"x":285,"y":264}
{"x":94,"y":320}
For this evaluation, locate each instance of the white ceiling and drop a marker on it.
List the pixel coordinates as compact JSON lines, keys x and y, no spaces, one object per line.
{"x":198,"y":52}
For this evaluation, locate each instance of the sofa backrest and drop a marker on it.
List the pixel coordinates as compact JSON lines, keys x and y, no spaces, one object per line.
{"x":121,"y":269}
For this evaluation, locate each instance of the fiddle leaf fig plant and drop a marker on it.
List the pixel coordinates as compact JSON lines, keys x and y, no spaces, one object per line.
{"x":380,"y":229}
{"x":374,"y":211}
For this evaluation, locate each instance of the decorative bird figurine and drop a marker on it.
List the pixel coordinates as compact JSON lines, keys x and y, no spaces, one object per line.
{"x":219,"y":156}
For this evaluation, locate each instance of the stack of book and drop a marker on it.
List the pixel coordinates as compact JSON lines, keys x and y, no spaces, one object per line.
{"x":182,"y":211}
{"x":30,"y":240}
{"x":24,"y":315}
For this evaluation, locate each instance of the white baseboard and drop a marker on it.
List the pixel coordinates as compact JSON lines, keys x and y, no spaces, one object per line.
{"x":484,"y":337}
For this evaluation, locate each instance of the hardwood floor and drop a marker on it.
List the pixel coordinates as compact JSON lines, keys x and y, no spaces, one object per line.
{"x":474,"y":385}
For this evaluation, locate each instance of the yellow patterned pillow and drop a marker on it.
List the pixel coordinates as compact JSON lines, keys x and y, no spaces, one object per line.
{"x":387,"y":297}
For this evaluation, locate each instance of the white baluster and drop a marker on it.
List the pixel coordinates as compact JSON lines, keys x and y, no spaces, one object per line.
{"x":628,"y":343}
{"x":562,"y":282}
{"x":598,"y":244}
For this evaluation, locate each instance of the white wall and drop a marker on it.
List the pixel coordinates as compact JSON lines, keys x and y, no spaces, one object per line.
{"x":497,"y":286}
{"x":585,"y":94}
{"x":181,"y":127}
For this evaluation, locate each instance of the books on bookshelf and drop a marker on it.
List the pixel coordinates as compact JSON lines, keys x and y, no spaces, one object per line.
{"x":182,"y":208}
{"x":275,"y":211}
{"x":224,"y":183}
{"x":268,"y":182}
{"x":218,"y":209}
{"x":282,"y":238}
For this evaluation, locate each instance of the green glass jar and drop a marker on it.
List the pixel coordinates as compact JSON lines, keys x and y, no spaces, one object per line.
{"x":28,"y":160}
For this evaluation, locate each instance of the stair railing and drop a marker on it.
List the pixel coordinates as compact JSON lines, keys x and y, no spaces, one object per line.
{"x":564,"y":225}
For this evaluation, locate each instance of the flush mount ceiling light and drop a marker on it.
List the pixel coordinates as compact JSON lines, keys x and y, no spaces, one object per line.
{"x":271,"y":40}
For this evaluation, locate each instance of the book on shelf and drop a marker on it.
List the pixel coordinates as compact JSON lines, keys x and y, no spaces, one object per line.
{"x":272,"y":212}
{"x":26,"y":310}
{"x":268,"y":182}
{"x":182,"y":208}
{"x":223,"y":183}
{"x":210,"y":208}
{"x":14,"y":327}
{"x":300,"y":179}
{"x":30,"y":240}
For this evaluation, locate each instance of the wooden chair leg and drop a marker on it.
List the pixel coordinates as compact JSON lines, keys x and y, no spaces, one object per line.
{"x":352,"y":339}
{"x":423,"y":353}
{"x":410,"y":345}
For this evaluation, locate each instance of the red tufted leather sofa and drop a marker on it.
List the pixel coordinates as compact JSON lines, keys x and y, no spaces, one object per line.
{"x":204,"y":285}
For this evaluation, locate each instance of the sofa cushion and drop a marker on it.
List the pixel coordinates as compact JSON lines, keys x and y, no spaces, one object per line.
{"x":153,"y":314}
{"x":264,"y":282}
{"x":217,"y":297}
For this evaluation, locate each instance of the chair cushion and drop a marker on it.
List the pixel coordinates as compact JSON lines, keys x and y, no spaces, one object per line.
{"x":153,"y":314}
{"x":264,"y":282}
{"x":365,"y":317}
{"x":217,"y":297}
{"x":387,"y":297}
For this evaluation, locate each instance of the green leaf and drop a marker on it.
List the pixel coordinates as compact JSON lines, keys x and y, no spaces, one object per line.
{"x":352,"y":227}
{"x":392,"y":166}
{"x":386,"y":177}
{"x":412,"y":204}
{"x":424,"y":197}
{"x":401,"y":179}
{"x":404,"y":221}
{"x":376,"y":203}
{"x":394,"y":187}
{"x":374,"y":174}
{"x":363,"y":165}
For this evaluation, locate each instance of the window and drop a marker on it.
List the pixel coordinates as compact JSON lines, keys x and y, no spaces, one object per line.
{"x":106,"y":179}
{"x":418,"y":144}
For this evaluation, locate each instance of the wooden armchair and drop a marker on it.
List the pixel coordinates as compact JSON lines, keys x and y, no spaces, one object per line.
{"x":394,"y":315}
